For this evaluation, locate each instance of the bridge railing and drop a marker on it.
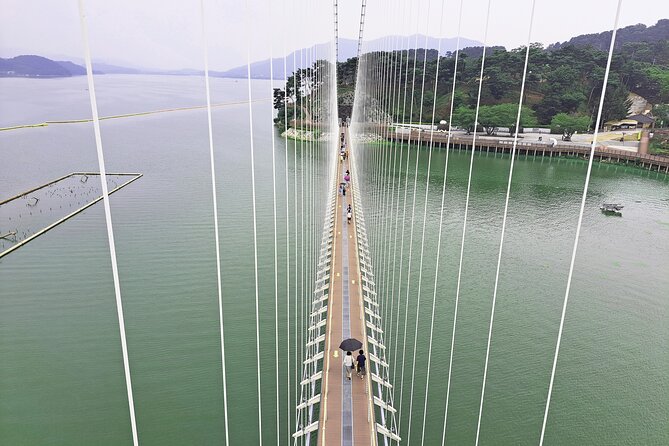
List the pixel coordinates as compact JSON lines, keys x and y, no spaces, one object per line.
{"x":311,"y":389}
{"x":381,"y":404}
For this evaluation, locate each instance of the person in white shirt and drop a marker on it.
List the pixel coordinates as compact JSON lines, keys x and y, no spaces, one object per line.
{"x":348,"y":363}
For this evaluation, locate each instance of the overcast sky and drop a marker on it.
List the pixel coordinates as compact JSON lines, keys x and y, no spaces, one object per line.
{"x":167,"y":34}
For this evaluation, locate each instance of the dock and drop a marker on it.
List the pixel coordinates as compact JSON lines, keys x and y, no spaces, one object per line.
{"x":533,"y":148}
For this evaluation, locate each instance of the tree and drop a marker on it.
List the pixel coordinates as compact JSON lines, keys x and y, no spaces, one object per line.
{"x":568,"y":124}
{"x":463,"y":117}
{"x":661,"y":114}
{"x":660,"y":76}
{"x":491,"y":117}
{"x":616,"y":103}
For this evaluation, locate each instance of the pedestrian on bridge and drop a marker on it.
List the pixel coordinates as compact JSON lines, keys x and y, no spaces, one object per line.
{"x":361,"y":359}
{"x":348,"y":363}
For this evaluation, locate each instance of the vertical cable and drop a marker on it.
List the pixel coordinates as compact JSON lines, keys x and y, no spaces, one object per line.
{"x":464,"y":220}
{"x":302,"y":303}
{"x":295,"y":300}
{"x":400,"y":99}
{"x":413,"y":215}
{"x":285,"y":118}
{"x":506,"y":211}
{"x":255,"y":231}
{"x":422,"y":243}
{"x":413,"y":211}
{"x":276,"y":255}
{"x":384,"y":222}
{"x":108,"y":220}
{"x":441,"y":222}
{"x":580,"y":221}
{"x":404,"y":200}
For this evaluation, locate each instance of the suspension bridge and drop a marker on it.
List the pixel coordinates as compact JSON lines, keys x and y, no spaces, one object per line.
{"x":362,"y":276}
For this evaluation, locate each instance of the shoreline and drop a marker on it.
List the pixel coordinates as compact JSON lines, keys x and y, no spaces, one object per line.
{"x":651,"y":163}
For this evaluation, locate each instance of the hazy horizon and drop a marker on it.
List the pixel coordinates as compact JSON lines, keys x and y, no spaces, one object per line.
{"x":154,"y":35}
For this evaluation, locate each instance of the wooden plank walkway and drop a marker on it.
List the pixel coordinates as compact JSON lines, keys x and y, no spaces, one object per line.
{"x":347,"y":415}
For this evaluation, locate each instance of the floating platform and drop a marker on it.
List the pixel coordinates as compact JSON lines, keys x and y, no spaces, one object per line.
{"x":34,"y":212}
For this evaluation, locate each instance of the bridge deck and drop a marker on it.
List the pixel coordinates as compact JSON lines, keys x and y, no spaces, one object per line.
{"x":347,"y":418}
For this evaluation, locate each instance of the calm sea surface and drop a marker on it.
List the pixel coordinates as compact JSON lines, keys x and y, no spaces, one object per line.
{"x":61,"y":370}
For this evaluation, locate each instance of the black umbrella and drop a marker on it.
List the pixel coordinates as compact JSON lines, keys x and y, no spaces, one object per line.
{"x":348,"y":345}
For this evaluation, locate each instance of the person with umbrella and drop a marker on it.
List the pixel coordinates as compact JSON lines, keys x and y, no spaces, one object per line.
{"x":348,"y":363}
{"x":348,"y":345}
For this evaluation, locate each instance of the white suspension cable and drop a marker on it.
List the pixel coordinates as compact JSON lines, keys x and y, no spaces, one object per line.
{"x":303,"y":318}
{"x":469,"y":186}
{"x":388,"y":288}
{"x":295,"y":294}
{"x":387,"y":203}
{"x":422,"y":248}
{"x":422,"y":245}
{"x":406,"y":184}
{"x":397,"y":203}
{"x":394,"y":204}
{"x":255,"y":231}
{"x":276,"y":255}
{"x":289,"y":408}
{"x":216,"y":228}
{"x":506,"y":210}
{"x":389,"y":189}
{"x":380,"y":243}
{"x":441,"y":219}
{"x":441,"y":223}
{"x":580,"y":221}
{"x":397,"y":170}
{"x":296,"y":269}
{"x":413,"y":211}
{"x":108,"y":220}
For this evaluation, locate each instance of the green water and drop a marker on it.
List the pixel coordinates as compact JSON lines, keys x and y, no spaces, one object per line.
{"x":611,"y":385}
{"x":61,"y":371}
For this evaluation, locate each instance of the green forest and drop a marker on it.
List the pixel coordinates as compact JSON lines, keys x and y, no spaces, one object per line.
{"x":563,"y":85}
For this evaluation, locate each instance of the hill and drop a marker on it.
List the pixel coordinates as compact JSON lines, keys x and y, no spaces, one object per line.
{"x":32,"y":66}
{"x":38,"y":66}
{"x":630,"y":34}
{"x":563,"y":83}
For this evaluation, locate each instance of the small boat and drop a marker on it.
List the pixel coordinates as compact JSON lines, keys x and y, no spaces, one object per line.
{"x":612,"y":208}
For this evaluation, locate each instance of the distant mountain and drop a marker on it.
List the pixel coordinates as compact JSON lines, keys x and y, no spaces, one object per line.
{"x":347,"y":48}
{"x":104,"y":68}
{"x":72,"y":68}
{"x":445,"y":44}
{"x":628,"y":34}
{"x":32,"y":66}
{"x":38,"y":66}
